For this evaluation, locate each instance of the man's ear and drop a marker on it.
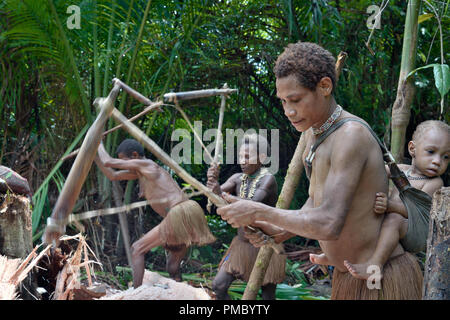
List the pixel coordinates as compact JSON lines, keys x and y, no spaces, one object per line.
{"x":325,"y":86}
{"x":412,"y":149}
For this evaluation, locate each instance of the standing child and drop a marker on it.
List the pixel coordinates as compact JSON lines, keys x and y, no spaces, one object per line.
{"x":257,"y":184}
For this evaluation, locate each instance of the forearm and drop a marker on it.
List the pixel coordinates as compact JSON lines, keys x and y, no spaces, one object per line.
{"x":308,"y":223}
{"x":278,"y":234}
{"x":397,"y":206}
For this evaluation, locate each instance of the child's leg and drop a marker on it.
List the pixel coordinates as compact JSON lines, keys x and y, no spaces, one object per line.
{"x":173,"y":262}
{"x":268,"y":291}
{"x":394,"y":228}
{"x":221,"y":283}
{"x":138,"y":250}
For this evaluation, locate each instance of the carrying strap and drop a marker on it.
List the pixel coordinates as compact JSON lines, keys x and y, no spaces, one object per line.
{"x":387,"y":156}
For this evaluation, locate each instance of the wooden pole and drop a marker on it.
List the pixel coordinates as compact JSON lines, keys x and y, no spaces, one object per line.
{"x":83,"y":162}
{"x":436,"y":284}
{"x":219,"y":127}
{"x":291,"y":181}
{"x":188,"y":95}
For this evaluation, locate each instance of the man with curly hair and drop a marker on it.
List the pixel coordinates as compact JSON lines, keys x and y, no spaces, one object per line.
{"x":346,"y":169}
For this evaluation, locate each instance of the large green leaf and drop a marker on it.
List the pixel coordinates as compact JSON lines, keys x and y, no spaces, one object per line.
{"x":442,"y":78}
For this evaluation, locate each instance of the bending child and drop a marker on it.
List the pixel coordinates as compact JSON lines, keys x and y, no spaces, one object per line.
{"x":184,"y":222}
{"x":257,"y":184}
{"x":430,"y":152}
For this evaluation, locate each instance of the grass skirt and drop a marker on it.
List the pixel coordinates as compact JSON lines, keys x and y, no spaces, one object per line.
{"x":241,"y":256}
{"x":402,"y":280}
{"x":185,"y":225}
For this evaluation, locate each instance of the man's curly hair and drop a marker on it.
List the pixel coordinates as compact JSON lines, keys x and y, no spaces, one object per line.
{"x":308,"y":62}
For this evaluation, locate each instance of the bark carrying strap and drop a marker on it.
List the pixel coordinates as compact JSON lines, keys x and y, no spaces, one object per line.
{"x":397,"y":176}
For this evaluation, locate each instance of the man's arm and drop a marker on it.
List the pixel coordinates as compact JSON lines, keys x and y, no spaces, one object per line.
{"x":104,"y":160}
{"x":326,"y":221}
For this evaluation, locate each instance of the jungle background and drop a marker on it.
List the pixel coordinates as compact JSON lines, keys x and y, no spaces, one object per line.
{"x":50,"y":75}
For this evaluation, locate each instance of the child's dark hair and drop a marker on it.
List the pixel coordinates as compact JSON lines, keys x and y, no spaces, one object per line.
{"x":128,"y":146}
{"x":308,"y":62}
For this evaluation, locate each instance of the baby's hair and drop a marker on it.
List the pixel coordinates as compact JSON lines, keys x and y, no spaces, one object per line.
{"x":257,"y":140}
{"x":128,"y":146}
{"x":430,"y":124}
{"x":308,"y":62}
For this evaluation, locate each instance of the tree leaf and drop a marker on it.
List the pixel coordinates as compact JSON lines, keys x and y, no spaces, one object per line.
{"x":442,"y":78}
{"x":425,"y":17}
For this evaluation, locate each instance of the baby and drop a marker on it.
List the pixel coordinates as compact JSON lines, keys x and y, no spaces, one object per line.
{"x":430,"y":152}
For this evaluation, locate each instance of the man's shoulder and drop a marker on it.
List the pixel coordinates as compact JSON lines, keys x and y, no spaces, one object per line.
{"x":355,"y":134}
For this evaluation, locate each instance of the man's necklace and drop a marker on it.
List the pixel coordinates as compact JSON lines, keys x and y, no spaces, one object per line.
{"x":327,"y":124}
{"x":245,"y":180}
{"x":408,"y":175}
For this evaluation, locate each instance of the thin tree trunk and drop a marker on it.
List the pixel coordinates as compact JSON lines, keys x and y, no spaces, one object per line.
{"x":436,"y":284}
{"x":401,"y":111}
{"x":291,"y":181}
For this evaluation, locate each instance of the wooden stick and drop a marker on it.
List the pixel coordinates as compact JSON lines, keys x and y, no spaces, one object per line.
{"x":154,"y":106}
{"x":138,"y":96}
{"x":284,"y":201}
{"x":219,"y":126}
{"x":83,"y":162}
{"x":188,"y":95}
{"x":105,"y":212}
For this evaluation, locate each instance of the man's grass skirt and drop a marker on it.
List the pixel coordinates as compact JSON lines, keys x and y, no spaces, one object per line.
{"x":185,"y":225}
{"x":402,"y":280}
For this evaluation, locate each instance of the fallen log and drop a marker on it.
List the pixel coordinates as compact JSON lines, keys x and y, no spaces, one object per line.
{"x":157,"y":287}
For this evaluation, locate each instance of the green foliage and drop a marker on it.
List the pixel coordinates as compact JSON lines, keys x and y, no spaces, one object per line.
{"x":51,"y":74}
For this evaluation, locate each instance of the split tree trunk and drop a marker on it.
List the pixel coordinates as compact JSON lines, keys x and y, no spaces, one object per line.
{"x":15,"y":233}
{"x":15,"y":226}
{"x":401,"y":110}
{"x":436,"y":284}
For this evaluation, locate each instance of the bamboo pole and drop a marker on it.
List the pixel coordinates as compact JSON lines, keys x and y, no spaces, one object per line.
{"x":401,"y":110}
{"x":291,"y":181}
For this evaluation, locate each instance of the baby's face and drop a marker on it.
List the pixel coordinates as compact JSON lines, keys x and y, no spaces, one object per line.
{"x":432,"y":153}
